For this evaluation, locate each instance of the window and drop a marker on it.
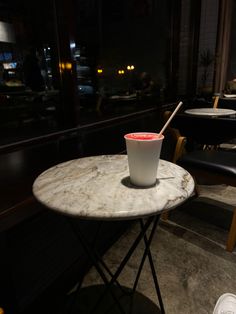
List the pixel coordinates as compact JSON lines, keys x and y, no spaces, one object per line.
{"x":65,"y":63}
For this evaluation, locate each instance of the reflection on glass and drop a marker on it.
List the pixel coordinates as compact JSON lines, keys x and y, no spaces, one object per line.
{"x":112,"y":46}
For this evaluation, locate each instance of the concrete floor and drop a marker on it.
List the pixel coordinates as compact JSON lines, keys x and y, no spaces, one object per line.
{"x":190,"y":258}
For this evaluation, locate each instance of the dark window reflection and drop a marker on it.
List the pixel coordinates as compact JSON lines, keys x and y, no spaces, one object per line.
{"x":29,"y":71}
{"x":130,"y":41}
{"x":113,"y":11}
{"x":67,"y":63}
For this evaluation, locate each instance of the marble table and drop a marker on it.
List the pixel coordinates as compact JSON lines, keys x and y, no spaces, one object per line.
{"x":98,"y":188}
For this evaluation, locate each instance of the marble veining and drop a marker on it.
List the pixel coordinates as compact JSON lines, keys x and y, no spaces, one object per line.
{"x":98,"y":188}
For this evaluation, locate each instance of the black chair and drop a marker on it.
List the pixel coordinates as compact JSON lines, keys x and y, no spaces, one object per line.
{"x":174,"y":144}
{"x":172,"y":147}
{"x":209,"y":166}
{"x":226,"y":103}
{"x":212,"y":169}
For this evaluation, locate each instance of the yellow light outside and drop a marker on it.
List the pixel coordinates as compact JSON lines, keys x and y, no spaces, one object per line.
{"x":61,"y":65}
{"x":121,"y":72}
{"x":68,"y":65}
{"x":65,"y":65}
{"x":130,"y":67}
{"x":99,"y":71}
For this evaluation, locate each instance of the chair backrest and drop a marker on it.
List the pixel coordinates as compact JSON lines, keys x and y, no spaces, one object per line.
{"x":216,"y":101}
{"x":173,"y":144}
{"x":215,"y":105}
{"x":225,"y":103}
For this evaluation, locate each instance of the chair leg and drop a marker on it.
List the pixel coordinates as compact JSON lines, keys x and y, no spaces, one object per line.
{"x":232,"y":234}
{"x":165,"y":216}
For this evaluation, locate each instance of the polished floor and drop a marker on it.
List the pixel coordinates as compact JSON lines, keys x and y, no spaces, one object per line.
{"x":192,"y":265}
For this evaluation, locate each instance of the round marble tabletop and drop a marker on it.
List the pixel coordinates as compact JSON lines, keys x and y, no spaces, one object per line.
{"x":98,"y":187}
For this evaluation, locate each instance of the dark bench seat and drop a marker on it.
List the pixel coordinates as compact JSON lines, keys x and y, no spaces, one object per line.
{"x":219,"y":162}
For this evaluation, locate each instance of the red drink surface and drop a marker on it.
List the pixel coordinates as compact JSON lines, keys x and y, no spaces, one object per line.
{"x":143,"y":136}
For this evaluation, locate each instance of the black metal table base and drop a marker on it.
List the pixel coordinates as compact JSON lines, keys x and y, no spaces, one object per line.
{"x":111,"y":279}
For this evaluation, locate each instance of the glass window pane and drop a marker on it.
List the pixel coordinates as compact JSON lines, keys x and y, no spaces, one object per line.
{"x":69,"y":63}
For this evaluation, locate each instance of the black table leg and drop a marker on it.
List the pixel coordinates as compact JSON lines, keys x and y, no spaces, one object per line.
{"x":101,"y":266}
{"x":154,"y":275}
{"x":90,"y":253}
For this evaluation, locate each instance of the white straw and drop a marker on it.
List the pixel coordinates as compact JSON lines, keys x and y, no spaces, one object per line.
{"x":170,"y":118}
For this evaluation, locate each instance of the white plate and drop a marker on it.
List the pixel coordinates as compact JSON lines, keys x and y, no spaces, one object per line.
{"x":210,"y":111}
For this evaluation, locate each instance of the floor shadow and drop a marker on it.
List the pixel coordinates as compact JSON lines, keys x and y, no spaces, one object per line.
{"x":199,"y":233}
{"x":88,"y":298}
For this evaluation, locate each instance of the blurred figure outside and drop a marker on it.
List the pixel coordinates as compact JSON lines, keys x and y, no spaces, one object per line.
{"x":145,"y":86}
{"x":32,"y":72}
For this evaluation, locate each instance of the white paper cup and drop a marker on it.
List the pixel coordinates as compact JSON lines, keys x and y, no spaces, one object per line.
{"x":143,"y":150}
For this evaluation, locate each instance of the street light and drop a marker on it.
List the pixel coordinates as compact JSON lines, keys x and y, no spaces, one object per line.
{"x":130,"y":67}
{"x":121,"y":72}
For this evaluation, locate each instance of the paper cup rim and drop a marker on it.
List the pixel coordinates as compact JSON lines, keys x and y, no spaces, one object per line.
{"x":143,"y":140}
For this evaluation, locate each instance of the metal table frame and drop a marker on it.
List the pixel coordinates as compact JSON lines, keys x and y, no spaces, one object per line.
{"x":147,"y":225}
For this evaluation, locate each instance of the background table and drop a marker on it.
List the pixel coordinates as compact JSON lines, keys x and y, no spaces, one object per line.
{"x":98,"y":188}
